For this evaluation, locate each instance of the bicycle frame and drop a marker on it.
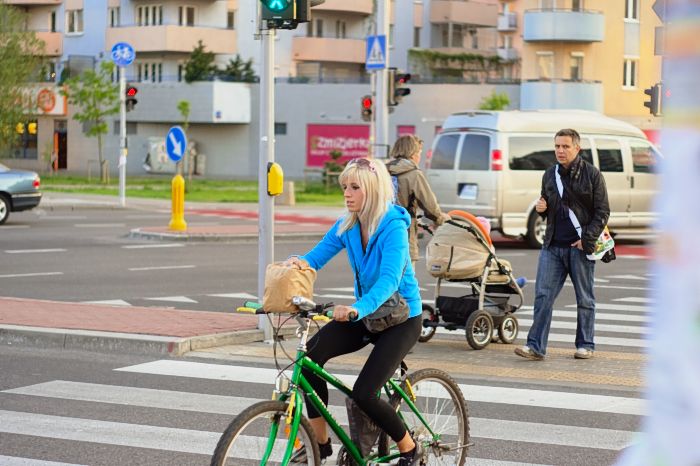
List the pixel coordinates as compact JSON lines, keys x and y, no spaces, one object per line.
{"x":299,"y":386}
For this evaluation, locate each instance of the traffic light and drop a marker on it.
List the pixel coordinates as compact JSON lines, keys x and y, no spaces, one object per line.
{"x":654,"y":104}
{"x":131,"y":101}
{"x":287,"y":14}
{"x":367,"y":104}
{"x":396,"y":91}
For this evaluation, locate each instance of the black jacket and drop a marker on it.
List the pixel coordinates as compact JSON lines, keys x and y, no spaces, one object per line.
{"x":588,"y":198}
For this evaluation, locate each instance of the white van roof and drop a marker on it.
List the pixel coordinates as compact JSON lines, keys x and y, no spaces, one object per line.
{"x":541,"y":121}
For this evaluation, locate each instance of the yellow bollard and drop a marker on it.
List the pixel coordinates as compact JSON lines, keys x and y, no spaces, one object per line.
{"x":177,"y":220}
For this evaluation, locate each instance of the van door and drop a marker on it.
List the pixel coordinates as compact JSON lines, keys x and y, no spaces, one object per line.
{"x":441,"y":174}
{"x":475,"y":180}
{"x":644,"y":183}
{"x":617,"y":179}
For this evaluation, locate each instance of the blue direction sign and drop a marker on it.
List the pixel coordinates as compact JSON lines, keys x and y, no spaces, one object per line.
{"x":176,"y":143}
{"x":123,"y":54}
{"x":376,"y":53}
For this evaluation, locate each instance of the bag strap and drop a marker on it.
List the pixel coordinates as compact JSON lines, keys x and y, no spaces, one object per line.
{"x":560,"y":188}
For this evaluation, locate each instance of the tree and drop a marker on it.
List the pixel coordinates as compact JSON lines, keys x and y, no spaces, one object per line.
{"x":200,"y":66}
{"x":97,"y":97}
{"x":495,"y":101}
{"x":20,"y":55}
{"x":238,"y":70}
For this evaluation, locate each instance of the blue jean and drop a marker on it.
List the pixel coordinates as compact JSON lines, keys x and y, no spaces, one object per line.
{"x":554,"y":265}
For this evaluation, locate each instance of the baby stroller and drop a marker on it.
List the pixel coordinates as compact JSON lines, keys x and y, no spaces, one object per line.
{"x":461,"y":251}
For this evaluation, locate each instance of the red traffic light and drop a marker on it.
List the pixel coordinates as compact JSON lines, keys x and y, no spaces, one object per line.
{"x":367,"y":102}
{"x":131,"y":91}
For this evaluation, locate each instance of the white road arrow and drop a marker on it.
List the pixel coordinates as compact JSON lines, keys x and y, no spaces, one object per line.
{"x":176,"y":144}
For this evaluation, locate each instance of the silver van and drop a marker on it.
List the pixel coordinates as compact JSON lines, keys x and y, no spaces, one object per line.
{"x":491,"y":164}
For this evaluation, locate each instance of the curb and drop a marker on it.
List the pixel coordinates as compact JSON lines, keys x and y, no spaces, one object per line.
{"x":138,"y":233}
{"x":110,"y":342}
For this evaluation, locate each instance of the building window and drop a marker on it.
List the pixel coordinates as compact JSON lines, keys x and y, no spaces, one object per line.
{"x":281,"y":128}
{"x":340,"y":29}
{"x":113,"y":17}
{"x":577,"y":5}
{"x":180,"y":72}
{"x":474,"y":39}
{"x":545,"y":65}
{"x":74,"y":21}
{"x":391,"y":35}
{"x":319,"y":28}
{"x":149,"y":15}
{"x":186,"y":15}
{"x":149,"y":72}
{"x":116,"y":73}
{"x":416,"y":37}
{"x":231,"y":19}
{"x":632,"y":9}
{"x":629,"y":73}
{"x":576,"y":66}
{"x":52,"y":21}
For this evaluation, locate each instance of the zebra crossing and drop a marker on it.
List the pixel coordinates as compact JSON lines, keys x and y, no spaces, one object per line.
{"x":579,"y":427}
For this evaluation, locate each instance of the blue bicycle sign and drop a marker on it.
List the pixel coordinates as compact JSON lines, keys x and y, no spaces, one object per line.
{"x":123,"y":54}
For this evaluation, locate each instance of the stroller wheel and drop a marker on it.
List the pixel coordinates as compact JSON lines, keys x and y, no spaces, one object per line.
{"x":427,"y":332}
{"x":508,"y":330}
{"x":479,"y":329}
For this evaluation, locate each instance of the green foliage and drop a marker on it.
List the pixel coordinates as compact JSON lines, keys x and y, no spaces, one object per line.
{"x":183,"y":107}
{"x":495,"y":101}
{"x":200,"y":66}
{"x":96,"y":97}
{"x":20,"y":55}
{"x":238,"y":70}
{"x":441,"y":64}
{"x":332,"y":168}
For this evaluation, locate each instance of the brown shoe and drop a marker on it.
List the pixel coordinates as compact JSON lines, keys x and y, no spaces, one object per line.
{"x":583,"y":353}
{"x":527,"y":353}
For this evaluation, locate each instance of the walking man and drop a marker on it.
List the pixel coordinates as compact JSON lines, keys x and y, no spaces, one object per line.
{"x":574,"y":200}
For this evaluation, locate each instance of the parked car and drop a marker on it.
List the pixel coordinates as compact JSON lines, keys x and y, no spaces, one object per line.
{"x":491,"y":164}
{"x":19,"y":190}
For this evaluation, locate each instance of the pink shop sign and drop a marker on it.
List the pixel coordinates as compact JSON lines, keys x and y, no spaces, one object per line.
{"x":351,"y":140}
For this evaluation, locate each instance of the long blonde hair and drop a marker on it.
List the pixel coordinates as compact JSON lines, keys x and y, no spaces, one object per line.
{"x":375,"y":182}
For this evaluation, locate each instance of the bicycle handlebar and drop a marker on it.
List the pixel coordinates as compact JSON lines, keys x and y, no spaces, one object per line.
{"x":306,"y":307}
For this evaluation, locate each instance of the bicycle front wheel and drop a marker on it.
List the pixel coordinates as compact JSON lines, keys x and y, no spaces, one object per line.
{"x":260,"y":429}
{"x":439,"y":400}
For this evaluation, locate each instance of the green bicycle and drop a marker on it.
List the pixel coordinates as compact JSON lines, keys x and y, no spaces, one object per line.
{"x":429,"y":402}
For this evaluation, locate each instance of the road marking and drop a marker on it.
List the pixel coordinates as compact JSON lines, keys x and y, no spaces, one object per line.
{"x":15,"y":461}
{"x":31,"y":251}
{"x":476,"y":393}
{"x":175,"y":299}
{"x":234,"y":295}
{"x":99,"y":225}
{"x":153,"y":246}
{"x":109,"y":302}
{"x":598,"y":315}
{"x":65,"y":217}
{"x":38,"y":274}
{"x":628,"y":277}
{"x":527,"y":323}
{"x":633,"y":299}
{"x":12,"y":227}
{"x":149,"y":216}
{"x":619,"y":307}
{"x":164,"y":267}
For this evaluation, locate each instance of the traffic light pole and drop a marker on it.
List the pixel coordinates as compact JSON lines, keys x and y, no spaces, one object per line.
{"x":122,"y":136}
{"x":381,"y":142}
{"x":266,"y":223}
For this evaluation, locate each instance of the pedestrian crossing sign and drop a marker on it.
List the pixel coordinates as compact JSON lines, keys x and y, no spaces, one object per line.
{"x":376,"y":53}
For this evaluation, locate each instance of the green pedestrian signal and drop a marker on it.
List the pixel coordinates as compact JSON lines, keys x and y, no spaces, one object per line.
{"x":277,"y":5}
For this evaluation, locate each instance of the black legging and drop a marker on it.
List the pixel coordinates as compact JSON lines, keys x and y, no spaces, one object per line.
{"x":390,"y":347}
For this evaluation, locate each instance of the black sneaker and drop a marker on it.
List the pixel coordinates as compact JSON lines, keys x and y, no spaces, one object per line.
{"x":326,"y":450}
{"x":413,"y":460}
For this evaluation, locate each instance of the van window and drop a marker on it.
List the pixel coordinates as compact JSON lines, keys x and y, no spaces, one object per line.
{"x":644,"y":157}
{"x":609,"y":155}
{"x":444,"y":153}
{"x":475,"y":152}
{"x":531,"y":153}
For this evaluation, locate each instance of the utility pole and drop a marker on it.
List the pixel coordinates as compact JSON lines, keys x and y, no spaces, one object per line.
{"x":266,"y":213}
{"x":122,"y":136}
{"x":381,"y":142}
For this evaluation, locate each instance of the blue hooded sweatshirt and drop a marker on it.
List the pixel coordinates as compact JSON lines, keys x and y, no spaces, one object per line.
{"x":380,"y":268}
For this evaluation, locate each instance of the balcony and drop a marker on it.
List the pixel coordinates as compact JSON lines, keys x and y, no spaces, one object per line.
{"x":174,"y":38}
{"x":210,"y":102}
{"x":322,"y":49}
{"x":561,"y":94}
{"x":507,"y":22}
{"x":508,"y":54}
{"x":53,"y":43}
{"x":564,"y":25}
{"x":32,"y":2}
{"x":359,"y":7}
{"x":464,"y":12}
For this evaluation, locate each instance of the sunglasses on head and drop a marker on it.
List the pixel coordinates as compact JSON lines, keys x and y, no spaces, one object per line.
{"x":363,"y":163}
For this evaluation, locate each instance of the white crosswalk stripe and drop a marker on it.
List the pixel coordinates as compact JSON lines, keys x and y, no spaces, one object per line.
{"x":201,"y":441}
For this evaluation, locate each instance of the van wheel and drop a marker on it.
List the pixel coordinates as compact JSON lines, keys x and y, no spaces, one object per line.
{"x":5,"y":208}
{"x":536,"y":228}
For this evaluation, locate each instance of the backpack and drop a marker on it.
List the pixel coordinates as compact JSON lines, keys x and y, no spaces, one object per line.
{"x":395,"y":183}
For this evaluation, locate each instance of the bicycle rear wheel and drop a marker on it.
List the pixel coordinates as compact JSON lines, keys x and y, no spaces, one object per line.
{"x":441,"y":403}
{"x":246,"y":439}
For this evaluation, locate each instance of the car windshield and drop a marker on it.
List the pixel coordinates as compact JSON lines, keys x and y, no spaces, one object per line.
{"x":3,"y":168}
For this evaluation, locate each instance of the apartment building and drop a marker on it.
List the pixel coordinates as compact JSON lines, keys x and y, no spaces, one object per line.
{"x":587,"y":54}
